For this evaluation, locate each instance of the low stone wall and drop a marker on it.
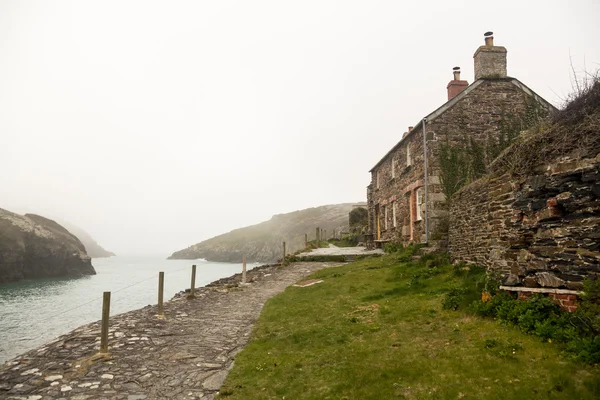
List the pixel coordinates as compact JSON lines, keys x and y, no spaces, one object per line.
{"x":539,"y":231}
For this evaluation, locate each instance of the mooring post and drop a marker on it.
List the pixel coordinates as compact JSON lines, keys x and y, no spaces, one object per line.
{"x":283,"y":259}
{"x":104,"y":330}
{"x":161,"y":289}
{"x":244,"y":270}
{"x":193,"y":284}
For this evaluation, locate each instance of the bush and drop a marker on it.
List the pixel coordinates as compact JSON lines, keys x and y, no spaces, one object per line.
{"x":540,"y":316}
{"x":393,"y":247}
{"x":453,"y":298}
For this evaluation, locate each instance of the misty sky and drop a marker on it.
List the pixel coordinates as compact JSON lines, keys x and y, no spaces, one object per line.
{"x":155,"y":125}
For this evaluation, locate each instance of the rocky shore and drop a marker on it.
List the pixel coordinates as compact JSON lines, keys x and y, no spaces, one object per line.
{"x":186,"y":355}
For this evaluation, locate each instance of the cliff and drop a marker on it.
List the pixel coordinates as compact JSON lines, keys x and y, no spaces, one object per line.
{"x":33,"y":247}
{"x":262,"y":242}
{"x":92,"y":247}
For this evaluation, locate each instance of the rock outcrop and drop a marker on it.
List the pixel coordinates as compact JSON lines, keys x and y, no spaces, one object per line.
{"x":92,"y":247}
{"x":34,"y":247}
{"x":263,"y":242}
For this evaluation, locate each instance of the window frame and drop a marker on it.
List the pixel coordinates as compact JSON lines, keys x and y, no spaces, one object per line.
{"x":419,"y":195}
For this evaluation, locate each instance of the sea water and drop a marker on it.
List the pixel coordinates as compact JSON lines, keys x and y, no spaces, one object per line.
{"x":35,"y":312}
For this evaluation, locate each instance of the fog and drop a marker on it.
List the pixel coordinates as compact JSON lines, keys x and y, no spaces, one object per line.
{"x":155,"y":125}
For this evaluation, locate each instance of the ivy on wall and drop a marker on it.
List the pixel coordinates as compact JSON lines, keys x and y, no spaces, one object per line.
{"x":467,"y":160}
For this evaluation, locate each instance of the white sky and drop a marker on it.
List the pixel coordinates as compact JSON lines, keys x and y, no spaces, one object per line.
{"x":155,"y":125}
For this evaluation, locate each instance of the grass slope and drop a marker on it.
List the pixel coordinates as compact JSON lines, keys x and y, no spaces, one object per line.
{"x":375,"y":329}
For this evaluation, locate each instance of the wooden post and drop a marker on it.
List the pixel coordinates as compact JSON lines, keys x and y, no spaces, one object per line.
{"x":104,"y":330}
{"x":244,"y":270}
{"x":317,"y":238}
{"x":325,"y":234}
{"x":306,"y":240}
{"x":193,"y":285}
{"x":283,"y":259}
{"x":161,"y":289}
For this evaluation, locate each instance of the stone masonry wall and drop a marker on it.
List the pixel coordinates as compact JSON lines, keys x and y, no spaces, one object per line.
{"x":538,"y":231}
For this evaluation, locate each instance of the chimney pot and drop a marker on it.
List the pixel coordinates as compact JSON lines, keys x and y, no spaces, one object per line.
{"x":456,"y":72}
{"x":489,"y":38}
{"x":410,"y":128}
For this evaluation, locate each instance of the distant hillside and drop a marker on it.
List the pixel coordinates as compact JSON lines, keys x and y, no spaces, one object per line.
{"x":262,"y":242}
{"x":92,"y":247}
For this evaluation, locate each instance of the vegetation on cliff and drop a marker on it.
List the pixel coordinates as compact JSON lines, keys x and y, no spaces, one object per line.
{"x":33,"y":247}
{"x":263,"y":242}
{"x":574,"y":132}
{"x":395,"y":327}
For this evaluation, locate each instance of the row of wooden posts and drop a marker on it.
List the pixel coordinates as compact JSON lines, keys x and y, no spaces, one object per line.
{"x":161,"y":312}
{"x":161,"y":285}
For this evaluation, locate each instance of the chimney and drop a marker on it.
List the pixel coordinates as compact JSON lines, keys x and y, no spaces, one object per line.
{"x":490,"y":60}
{"x":456,"y":85}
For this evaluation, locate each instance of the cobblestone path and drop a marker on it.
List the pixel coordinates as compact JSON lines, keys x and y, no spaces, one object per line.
{"x":186,"y":355}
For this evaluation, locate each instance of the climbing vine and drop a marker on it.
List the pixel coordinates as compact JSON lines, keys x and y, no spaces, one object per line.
{"x":467,"y":159}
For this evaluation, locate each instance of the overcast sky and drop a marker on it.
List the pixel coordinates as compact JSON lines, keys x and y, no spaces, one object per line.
{"x":155,"y":125}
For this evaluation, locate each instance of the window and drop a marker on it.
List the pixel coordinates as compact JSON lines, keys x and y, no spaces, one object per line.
{"x":393,"y":168}
{"x":385,"y":217}
{"x":394,"y":214}
{"x":420,"y":203}
{"x":408,"y":160}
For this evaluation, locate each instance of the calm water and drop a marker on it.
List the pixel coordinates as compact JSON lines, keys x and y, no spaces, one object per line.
{"x":35,"y":312}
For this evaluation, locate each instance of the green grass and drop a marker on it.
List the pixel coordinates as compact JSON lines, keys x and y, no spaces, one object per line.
{"x":375,"y":329}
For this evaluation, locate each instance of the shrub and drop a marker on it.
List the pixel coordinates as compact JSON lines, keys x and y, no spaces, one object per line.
{"x":453,"y":298}
{"x":393,"y":247}
{"x":540,"y":316}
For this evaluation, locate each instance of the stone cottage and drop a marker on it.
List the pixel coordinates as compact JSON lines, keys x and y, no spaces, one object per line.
{"x":406,"y":197}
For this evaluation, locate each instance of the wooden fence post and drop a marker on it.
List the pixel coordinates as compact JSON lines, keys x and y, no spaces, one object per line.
{"x":306,"y":240}
{"x":104,"y":329}
{"x":317,"y":238}
{"x":193,"y":284}
{"x":244,"y":270}
{"x":283,"y":259}
{"x":161,"y":288}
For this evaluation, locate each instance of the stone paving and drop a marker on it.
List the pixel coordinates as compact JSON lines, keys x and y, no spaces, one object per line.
{"x":186,"y":355}
{"x":340,"y":251}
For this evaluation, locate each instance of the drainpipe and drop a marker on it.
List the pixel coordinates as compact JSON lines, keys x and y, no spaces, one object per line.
{"x":426,"y":182}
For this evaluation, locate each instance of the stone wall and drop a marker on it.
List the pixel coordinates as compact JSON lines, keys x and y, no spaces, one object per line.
{"x":542,"y":230}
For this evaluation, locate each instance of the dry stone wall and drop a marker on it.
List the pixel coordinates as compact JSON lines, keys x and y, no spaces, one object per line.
{"x":539,"y":231}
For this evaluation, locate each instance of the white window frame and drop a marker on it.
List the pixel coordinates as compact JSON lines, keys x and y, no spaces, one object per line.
{"x":408,"y":159}
{"x":420,"y":200}
{"x":395,"y":223}
{"x":385,"y":216}
{"x":393,"y":168}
